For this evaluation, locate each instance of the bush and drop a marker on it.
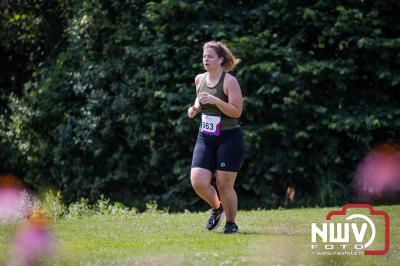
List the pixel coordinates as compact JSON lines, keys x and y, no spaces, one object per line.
{"x":107,"y":115}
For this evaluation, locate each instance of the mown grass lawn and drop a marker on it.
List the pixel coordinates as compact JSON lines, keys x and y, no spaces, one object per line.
{"x":273,"y":237}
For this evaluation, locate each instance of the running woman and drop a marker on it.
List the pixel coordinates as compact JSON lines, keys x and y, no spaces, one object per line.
{"x":219,"y":146}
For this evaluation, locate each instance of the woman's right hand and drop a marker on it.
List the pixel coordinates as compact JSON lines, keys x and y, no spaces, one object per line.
{"x":192,"y":111}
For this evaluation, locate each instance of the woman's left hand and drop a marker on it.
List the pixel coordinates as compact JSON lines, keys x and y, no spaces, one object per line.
{"x":206,"y":98}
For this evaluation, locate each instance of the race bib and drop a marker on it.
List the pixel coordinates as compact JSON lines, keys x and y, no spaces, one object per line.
{"x":210,"y":124}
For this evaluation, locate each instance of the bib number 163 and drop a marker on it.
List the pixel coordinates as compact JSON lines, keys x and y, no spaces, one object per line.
{"x":207,"y":126}
{"x":210,"y":124}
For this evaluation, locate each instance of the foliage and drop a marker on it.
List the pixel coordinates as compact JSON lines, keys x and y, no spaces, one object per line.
{"x":107,"y":113}
{"x":31,"y":34}
{"x":54,"y":207}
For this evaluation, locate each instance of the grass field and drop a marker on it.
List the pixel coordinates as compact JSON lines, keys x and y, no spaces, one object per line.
{"x":273,"y":237}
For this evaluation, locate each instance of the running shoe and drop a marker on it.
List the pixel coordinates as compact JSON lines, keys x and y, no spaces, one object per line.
{"x":215,"y":218}
{"x":231,"y":228}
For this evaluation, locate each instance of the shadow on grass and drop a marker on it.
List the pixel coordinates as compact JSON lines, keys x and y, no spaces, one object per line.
{"x":266,"y":233}
{"x":247,"y":232}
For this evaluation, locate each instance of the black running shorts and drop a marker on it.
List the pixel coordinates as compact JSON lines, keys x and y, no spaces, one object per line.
{"x":224,"y":152}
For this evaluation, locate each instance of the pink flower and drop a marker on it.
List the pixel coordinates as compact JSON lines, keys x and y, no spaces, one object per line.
{"x":13,"y":205}
{"x":33,"y":241}
{"x":378,"y":175}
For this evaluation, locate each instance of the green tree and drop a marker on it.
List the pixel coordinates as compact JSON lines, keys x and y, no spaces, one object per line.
{"x":107,"y":112}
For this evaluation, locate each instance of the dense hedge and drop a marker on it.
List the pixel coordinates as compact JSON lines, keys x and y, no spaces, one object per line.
{"x":105,"y":113}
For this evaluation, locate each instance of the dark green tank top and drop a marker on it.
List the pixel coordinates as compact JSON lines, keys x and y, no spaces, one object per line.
{"x":217,"y":91}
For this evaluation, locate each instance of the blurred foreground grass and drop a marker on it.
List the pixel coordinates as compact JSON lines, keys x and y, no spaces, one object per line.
{"x":274,"y":237}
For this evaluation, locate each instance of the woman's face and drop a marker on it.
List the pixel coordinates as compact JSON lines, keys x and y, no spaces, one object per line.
{"x":211,"y":61}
